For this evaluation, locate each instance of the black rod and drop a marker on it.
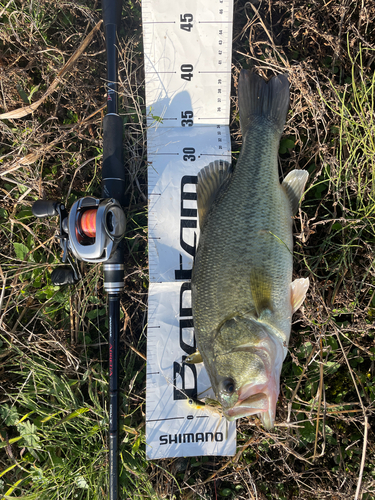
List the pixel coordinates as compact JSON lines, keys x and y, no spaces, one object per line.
{"x":113,"y":334}
{"x":113,"y":172}
{"x":113,"y":186}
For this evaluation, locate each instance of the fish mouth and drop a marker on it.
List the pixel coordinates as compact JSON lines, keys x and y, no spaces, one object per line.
{"x":249,"y":406}
{"x":254,"y":400}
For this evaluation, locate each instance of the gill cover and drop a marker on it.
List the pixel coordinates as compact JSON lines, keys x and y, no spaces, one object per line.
{"x":245,"y":372}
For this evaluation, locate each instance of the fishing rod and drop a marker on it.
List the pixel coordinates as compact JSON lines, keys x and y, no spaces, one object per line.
{"x":93,"y":230}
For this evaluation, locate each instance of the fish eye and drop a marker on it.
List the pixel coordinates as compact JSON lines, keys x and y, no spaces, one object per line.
{"x":228,"y":385}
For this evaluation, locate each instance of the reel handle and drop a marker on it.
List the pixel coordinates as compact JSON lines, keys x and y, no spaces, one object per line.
{"x":45,"y":208}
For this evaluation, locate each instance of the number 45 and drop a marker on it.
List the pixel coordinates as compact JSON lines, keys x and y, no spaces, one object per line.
{"x":185,"y":20}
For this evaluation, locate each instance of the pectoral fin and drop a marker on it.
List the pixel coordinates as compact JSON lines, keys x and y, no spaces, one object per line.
{"x":261,"y":287}
{"x":294,"y":185}
{"x":299,"y":290}
{"x":211,"y":179}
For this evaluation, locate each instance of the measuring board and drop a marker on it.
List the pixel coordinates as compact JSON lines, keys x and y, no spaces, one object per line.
{"x":187,"y":50}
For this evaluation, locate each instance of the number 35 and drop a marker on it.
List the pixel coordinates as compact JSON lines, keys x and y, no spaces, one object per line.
{"x":187,"y":118}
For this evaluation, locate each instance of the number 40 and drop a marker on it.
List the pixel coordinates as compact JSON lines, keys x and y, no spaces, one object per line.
{"x":187,"y":72}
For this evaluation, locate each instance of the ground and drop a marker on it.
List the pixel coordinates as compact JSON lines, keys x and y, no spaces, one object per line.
{"x":53,"y":345}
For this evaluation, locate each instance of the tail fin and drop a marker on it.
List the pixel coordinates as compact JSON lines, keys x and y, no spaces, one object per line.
{"x":256,"y":97}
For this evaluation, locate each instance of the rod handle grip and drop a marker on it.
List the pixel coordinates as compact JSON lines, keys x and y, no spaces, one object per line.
{"x":113,"y":171}
{"x":44,"y":208}
{"x":111,"y":12}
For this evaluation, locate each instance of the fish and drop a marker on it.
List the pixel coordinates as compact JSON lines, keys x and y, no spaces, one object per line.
{"x":243,"y":296}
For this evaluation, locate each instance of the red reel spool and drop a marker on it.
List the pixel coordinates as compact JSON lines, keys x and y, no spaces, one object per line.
{"x":88,"y":223}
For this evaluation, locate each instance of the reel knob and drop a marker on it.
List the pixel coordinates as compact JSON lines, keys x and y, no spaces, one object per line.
{"x":63,"y":276}
{"x":45,"y":208}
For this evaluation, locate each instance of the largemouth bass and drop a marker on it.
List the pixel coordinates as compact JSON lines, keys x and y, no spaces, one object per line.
{"x":243,"y":297}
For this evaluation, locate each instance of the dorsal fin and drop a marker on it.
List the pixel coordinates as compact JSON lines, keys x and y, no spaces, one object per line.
{"x":294,"y":185}
{"x":211,"y":179}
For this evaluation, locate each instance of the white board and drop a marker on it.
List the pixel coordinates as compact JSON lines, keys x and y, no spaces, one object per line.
{"x":187,"y":48}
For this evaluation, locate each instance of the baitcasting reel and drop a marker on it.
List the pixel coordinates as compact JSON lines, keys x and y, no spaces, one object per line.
{"x":91,"y":232}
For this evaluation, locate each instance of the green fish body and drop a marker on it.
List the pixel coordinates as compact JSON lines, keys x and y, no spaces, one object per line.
{"x":242,"y":292}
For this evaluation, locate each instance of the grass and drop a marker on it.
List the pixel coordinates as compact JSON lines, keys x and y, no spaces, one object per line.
{"x":61,"y":433}
{"x":53,"y":345}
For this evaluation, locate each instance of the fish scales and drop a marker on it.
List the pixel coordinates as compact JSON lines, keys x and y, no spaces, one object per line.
{"x":239,"y":235}
{"x":241,"y":282}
